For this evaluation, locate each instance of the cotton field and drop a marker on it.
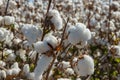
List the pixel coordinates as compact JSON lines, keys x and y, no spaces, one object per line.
{"x":59,"y":39}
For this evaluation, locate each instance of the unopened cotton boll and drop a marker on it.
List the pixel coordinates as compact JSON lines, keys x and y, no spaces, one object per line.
{"x":52,"y":40}
{"x":56,"y":19}
{"x":41,"y":47}
{"x":42,"y":65}
{"x":85,"y":66}
{"x":8,"y":20}
{"x":31,"y":32}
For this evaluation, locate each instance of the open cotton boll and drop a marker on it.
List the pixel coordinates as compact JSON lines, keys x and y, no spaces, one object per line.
{"x":117,"y":49}
{"x":56,"y":19}
{"x":85,"y":66}
{"x":65,"y":64}
{"x":3,"y":34}
{"x":8,"y":20}
{"x":31,"y":76}
{"x":52,"y":40}
{"x":69,"y":71}
{"x":15,"y":71}
{"x":42,"y":65}
{"x":41,"y":47}
{"x":9,"y":72}
{"x":15,"y":65}
{"x":26,"y":68}
{"x":76,"y":33}
{"x":86,"y":35}
{"x":12,"y":4}
{"x":1,"y":3}
{"x":31,"y":32}
{"x":11,"y":57}
{"x":3,"y":74}
{"x":2,"y":63}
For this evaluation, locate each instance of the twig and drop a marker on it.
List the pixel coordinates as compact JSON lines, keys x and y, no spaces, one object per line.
{"x":7,"y":7}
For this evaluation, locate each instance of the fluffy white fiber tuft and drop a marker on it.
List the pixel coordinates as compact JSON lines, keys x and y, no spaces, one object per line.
{"x":85,"y":66}
{"x":42,"y":65}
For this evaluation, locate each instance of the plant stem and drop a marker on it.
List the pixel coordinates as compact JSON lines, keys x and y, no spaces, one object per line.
{"x":7,"y":7}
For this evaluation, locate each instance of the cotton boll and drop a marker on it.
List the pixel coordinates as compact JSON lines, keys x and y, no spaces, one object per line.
{"x":69,"y":71}
{"x":26,"y":68}
{"x":2,"y":63}
{"x":93,"y":22}
{"x":11,"y":57}
{"x":117,"y":49}
{"x":12,"y":4}
{"x":41,"y":47}
{"x":1,"y":3}
{"x":3,"y":34}
{"x":56,"y":19}
{"x":76,"y":33}
{"x":15,"y":71}
{"x":22,"y":53}
{"x":3,"y":74}
{"x":31,"y":32}
{"x":115,"y":5}
{"x":15,"y":65}
{"x":8,"y":20}
{"x":86,"y":35}
{"x":52,"y":40}
{"x":85,"y":66}
{"x":9,"y":72}
{"x":42,"y":65}
{"x":17,"y":41}
{"x":65,"y":64}
{"x":31,"y":76}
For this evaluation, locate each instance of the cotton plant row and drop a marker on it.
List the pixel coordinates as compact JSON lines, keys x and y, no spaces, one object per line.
{"x":62,"y":41}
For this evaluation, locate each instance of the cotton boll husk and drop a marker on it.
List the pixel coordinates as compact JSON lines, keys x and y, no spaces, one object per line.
{"x":85,"y":66}
{"x":52,"y":40}
{"x":86,"y":35}
{"x":41,"y":47}
{"x":8,"y":20}
{"x":31,"y":32}
{"x":42,"y":65}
